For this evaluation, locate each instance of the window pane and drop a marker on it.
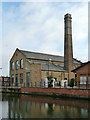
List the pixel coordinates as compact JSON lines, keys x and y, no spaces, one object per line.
{"x":89,"y":80}
{"x":28,"y":79}
{"x":21,"y":78}
{"x":16,"y":80}
{"x":12,"y":65}
{"x":82,"y":80}
{"x":21,"y":63}
{"x":16,"y":65}
{"x":12,"y":79}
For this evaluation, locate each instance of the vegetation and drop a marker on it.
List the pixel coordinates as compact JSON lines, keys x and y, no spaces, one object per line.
{"x":50,"y":81}
{"x":72,"y":82}
{"x":49,"y":77}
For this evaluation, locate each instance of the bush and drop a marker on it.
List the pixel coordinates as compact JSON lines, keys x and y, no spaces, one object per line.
{"x":49,"y":78}
{"x":50,"y":81}
{"x":72,"y":82}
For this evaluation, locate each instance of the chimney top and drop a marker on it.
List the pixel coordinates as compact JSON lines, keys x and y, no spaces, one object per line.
{"x":67,"y":16}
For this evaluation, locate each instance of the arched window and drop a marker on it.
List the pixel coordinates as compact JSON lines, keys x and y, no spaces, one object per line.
{"x":21,"y":63}
{"x":17,"y":65}
{"x":12,"y":65}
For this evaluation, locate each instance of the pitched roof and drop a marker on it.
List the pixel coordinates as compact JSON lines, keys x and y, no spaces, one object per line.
{"x":43,"y":56}
{"x":52,"y":67}
{"x":83,"y":64}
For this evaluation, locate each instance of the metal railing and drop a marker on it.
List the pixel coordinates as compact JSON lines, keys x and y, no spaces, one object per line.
{"x":77,"y":85}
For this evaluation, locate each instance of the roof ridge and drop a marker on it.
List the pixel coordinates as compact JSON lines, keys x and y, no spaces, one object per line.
{"x":46,"y":54}
{"x":40,"y":53}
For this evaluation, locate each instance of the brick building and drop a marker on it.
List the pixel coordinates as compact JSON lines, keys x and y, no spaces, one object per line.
{"x":29,"y":68}
{"x":83,"y":75}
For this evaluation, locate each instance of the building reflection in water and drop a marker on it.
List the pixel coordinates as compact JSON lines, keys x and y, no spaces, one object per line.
{"x":35,"y":107}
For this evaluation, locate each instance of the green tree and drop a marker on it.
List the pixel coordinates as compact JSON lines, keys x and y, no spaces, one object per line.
{"x":50,"y":81}
{"x":72,"y":82}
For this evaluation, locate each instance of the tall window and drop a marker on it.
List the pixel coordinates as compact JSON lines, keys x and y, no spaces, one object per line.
{"x":12,"y":65}
{"x":28,"y":79}
{"x":12,"y":78}
{"x":17,"y":65}
{"x":21,"y":78}
{"x":16,"y":80}
{"x":89,"y":80}
{"x":83,"y":80}
{"x":21,"y":63}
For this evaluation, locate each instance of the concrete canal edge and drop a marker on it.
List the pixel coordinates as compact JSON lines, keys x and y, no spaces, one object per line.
{"x":52,"y":92}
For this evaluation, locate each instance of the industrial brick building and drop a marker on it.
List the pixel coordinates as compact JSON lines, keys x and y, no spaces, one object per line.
{"x":29,"y":68}
{"x":83,"y":75}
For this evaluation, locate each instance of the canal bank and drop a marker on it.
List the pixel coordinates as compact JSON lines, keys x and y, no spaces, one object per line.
{"x":55,"y":92}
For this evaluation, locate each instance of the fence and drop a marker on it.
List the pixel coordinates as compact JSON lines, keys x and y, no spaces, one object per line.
{"x":56,"y":85}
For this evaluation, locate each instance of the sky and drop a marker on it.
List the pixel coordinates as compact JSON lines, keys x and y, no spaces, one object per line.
{"x":89,"y":31}
{"x":39,"y":27}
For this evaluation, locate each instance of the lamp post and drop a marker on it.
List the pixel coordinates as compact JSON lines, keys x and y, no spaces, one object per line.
{"x":48,"y":66}
{"x":1,"y":76}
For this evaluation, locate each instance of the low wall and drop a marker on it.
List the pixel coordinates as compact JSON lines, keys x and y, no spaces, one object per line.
{"x":58,"y":91}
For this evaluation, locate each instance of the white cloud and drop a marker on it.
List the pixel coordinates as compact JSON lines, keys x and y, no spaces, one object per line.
{"x":45,"y":0}
{"x":40,"y":26}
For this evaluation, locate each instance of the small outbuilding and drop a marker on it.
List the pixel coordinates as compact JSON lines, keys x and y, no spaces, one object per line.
{"x":4,"y":81}
{"x":82,"y":74}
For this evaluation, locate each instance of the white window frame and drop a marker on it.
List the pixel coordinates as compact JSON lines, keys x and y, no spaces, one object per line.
{"x":83,"y":80}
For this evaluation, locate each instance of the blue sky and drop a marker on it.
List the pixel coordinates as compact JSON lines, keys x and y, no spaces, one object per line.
{"x":39,"y":27}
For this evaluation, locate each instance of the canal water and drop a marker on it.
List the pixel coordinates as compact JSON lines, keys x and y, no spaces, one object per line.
{"x":26,"y":106}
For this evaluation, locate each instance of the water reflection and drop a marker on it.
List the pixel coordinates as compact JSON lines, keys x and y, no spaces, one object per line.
{"x":40,"y":107}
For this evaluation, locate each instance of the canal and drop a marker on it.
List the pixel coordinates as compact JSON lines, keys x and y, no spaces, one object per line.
{"x":26,"y":106}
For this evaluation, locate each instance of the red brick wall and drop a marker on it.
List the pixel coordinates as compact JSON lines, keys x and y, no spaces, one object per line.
{"x":58,"y":91}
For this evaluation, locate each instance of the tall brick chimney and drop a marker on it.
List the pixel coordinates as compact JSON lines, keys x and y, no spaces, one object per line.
{"x":68,"y":50}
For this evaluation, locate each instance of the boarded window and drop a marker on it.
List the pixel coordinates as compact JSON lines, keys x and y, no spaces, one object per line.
{"x":47,"y":73}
